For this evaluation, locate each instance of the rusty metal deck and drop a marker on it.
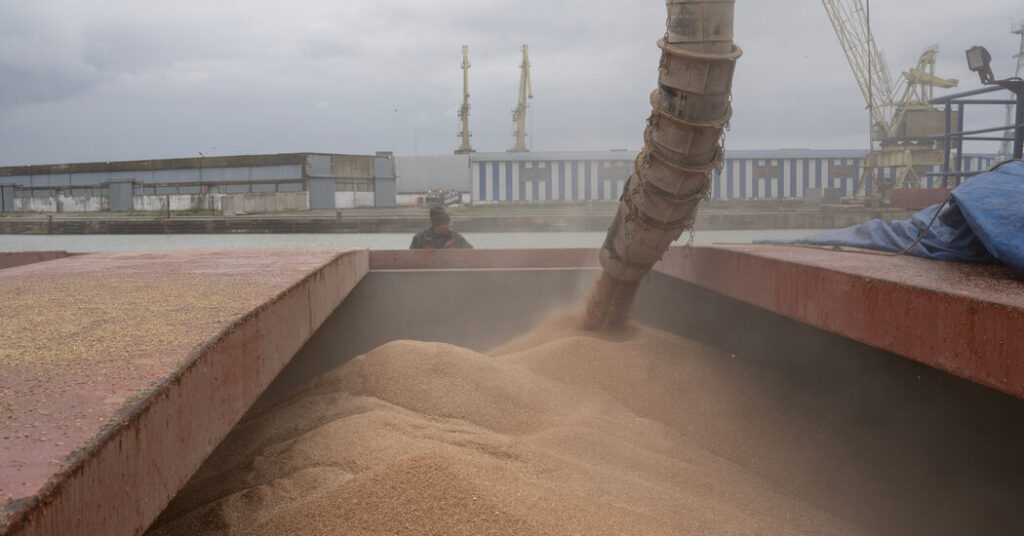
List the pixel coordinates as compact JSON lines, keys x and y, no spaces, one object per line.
{"x":119,"y":373}
{"x":419,"y":259}
{"x":965,"y":319}
{"x":10,"y":259}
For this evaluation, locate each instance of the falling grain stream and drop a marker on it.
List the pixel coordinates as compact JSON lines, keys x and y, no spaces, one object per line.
{"x":682,"y":145}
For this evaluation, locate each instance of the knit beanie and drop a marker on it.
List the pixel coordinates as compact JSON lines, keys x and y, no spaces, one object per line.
{"x":438,"y":216}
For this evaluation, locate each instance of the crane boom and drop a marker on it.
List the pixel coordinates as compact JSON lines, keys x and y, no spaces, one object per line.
{"x":917,"y":89}
{"x":849,"y":19}
{"x":464,"y":133}
{"x":902,"y":121}
{"x":525,"y":92}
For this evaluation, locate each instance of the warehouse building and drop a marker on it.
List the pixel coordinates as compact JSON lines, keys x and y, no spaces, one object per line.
{"x":253,"y":183}
{"x":600,"y":176}
{"x":424,"y":175}
{"x":304,"y":181}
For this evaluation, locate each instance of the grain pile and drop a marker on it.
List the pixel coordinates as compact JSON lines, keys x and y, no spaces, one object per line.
{"x":86,"y":340}
{"x":561,"y":431}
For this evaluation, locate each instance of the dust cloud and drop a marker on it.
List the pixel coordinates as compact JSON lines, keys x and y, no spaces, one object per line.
{"x":558,"y":431}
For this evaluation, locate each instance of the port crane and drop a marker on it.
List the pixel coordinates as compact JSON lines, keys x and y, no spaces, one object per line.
{"x":901,"y":120}
{"x":464,"y":133}
{"x":519,"y":113}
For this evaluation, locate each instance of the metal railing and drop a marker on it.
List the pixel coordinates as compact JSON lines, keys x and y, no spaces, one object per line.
{"x":953,"y":140}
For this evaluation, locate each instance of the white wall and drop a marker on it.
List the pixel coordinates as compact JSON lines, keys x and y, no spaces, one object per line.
{"x":409,"y":200}
{"x":61,"y":204}
{"x":353,"y":199}
{"x":424,"y":172}
{"x":140,"y":203}
{"x":179,"y":202}
{"x":257,"y":203}
{"x":419,"y":200}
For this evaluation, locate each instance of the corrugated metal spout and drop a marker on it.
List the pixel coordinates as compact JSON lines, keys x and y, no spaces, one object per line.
{"x":682,"y":146}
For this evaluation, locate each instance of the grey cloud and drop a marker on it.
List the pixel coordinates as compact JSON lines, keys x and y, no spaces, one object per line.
{"x":318,"y":75}
{"x":140,"y":45}
{"x":34,"y":63}
{"x":117,"y":49}
{"x":326,"y":48}
{"x":25,"y":85}
{"x":48,"y":56}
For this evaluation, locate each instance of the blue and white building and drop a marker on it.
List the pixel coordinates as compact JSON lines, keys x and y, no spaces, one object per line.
{"x":600,"y":175}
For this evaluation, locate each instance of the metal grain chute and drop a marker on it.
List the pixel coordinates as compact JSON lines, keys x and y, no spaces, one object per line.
{"x":682,"y":146}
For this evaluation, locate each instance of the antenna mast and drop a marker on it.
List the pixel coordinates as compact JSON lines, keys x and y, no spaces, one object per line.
{"x":465,"y":134}
{"x":519,"y":114}
{"x":1005,"y":149}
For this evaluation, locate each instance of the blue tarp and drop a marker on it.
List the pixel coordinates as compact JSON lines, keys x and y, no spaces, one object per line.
{"x":983,"y":222}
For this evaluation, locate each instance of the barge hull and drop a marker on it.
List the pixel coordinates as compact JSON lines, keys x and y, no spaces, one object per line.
{"x":965,"y":319}
{"x":156,"y":416}
{"x":832,"y":319}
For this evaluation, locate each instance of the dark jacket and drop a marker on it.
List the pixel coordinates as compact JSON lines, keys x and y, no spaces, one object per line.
{"x":427,"y":239}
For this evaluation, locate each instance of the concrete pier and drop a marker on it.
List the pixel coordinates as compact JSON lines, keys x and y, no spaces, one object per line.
{"x":120,"y":373}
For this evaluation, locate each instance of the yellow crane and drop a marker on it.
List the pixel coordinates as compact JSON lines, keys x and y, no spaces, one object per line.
{"x":901,"y":119}
{"x":465,"y":134}
{"x":519,"y":113}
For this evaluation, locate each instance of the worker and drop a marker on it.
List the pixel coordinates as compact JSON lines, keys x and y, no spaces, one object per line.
{"x":440,"y":234}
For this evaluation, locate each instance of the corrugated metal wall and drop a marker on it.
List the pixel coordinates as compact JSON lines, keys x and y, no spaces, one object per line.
{"x":254,"y":174}
{"x":214,"y":175}
{"x":511,"y":177}
{"x":600,"y":176}
{"x":756,"y":178}
{"x":417,"y":174}
{"x":539,"y":180}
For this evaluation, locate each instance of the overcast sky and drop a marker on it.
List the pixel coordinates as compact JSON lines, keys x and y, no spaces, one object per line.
{"x":105,"y":80}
